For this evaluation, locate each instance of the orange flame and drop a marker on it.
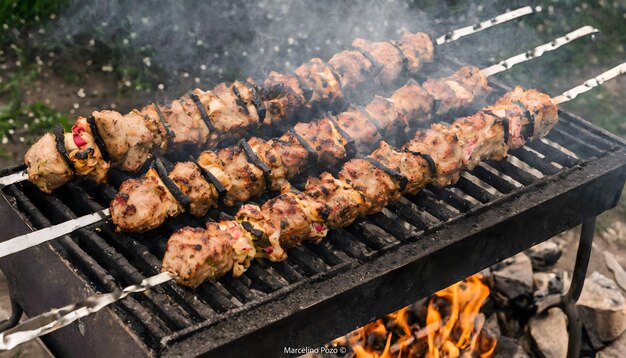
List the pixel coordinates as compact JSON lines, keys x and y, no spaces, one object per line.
{"x":453,"y":328}
{"x":463,"y":322}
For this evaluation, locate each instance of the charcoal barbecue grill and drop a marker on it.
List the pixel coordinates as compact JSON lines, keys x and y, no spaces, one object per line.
{"x":417,"y":246}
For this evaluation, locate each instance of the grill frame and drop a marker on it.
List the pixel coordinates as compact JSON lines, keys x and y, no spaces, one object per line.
{"x":361,"y":286}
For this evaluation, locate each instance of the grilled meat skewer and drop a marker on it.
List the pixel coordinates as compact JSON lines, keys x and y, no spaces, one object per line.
{"x":248,"y":169}
{"x":204,"y":119}
{"x":363,"y":186}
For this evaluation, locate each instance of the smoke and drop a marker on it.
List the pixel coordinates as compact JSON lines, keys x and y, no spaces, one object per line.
{"x":191,"y":44}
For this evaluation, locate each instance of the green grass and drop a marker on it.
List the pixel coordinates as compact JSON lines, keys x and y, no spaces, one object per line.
{"x":24,"y":13}
{"x":18,"y":119}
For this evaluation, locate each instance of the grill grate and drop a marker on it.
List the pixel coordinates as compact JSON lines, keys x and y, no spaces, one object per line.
{"x":169,"y":314}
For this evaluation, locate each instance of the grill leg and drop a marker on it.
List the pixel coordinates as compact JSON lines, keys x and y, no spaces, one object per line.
{"x":14,"y":319}
{"x":576,"y":287}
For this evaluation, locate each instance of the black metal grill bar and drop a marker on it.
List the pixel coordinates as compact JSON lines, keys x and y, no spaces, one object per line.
{"x":413,"y":214}
{"x":496,"y":181}
{"x":553,"y":154}
{"x":604,"y":143}
{"x":474,"y":190}
{"x":533,"y":160}
{"x":346,"y":242}
{"x":452,"y":198}
{"x":582,"y":149}
{"x":514,"y":172}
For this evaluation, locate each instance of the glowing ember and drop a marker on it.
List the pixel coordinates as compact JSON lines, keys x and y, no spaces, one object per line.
{"x":452,"y":328}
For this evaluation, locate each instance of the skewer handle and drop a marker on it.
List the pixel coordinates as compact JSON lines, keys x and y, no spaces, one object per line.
{"x":590,"y":83}
{"x":539,"y":50}
{"x":472,"y":29}
{"x":57,"y":318}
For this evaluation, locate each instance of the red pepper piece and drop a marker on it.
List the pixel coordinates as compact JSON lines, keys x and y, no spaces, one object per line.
{"x":79,"y":141}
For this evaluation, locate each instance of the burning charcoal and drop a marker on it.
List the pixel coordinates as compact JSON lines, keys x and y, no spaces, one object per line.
{"x":417,"y":312}
{"x":549,"y":333}
{"x":602,"y":309}
{"x":513,"y":278}
{"x":544,"y":255}
{"x":509,"y":348}
{"x":547,"y":283}
{"x":615,"y":349}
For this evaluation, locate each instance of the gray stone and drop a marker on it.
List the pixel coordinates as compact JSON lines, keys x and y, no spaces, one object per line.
{"x":602,"y":309}
{"x":618,"y":270}
{"x":544,"y":255}
{"x":547,"y":283}
{"x":513,"y":277}
{"x":617,"y":349}
{"x":491,"y":326}
{"x":548,"y":332}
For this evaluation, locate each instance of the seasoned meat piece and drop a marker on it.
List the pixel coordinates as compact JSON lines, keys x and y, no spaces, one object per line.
{"x":518,"y":123}
{"x":352,"y":67}
{"x":153,"y":124}
{"x":357,"y":124}
{"x":540,"y":106}
{"x":292,"y":154}
{"x":375,"y":185}
{"x":202,"y":194}
{"x":242,"y":244}
{"x":324,"y":138}
{"x":127,"y":139}
{"x":84,"y":153}
{"x":185,"y":121}
{"x":386,"y":117}
{"x":387,"y":55}
{"x":473,"y":80}
{"x":418,"y":48}
{"x":289,"y":217}
{"x":445,"y":96}
{"x":320,"y":77}
{"x":230,"y":119}
{"x":344,"y":203}
{"x":282,"y":98}
{"x":270,"y":156}
{"x":252,"y":220}
{"x":413,"y":103}
{"x":246,"y":179}
{"x":211,"y":162}
{"x":143,"y":204}
{"x":467,"y":85}
{"x":442,"y":144}
{"x":45,"y":166}
{"x":481,"y":137}
{"x":413,"y":167}
{"x":248,"y":96}
{"x":195,"y":255}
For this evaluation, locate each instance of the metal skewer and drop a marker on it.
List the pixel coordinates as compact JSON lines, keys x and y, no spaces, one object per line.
{"x":58,"y":318}
{"x":500,"y":19}
{"x":449,"y":37}
{"x":50,"y":233}
{"x":589,"y":84}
